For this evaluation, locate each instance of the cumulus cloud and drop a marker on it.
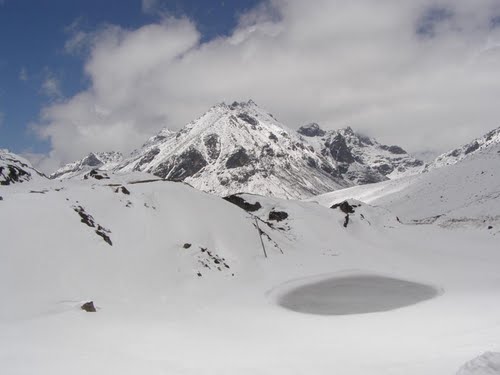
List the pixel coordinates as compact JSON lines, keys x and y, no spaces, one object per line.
{"x":422,"y":74}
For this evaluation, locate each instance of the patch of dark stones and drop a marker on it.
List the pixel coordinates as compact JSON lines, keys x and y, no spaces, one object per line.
{"x":211,"y":261}
{"x":123,"y":190}
{"x":89,"y":221}
{"x":98,"y":175}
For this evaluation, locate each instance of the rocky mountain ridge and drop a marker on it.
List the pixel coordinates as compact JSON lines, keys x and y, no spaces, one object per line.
{"x":243,"y":148}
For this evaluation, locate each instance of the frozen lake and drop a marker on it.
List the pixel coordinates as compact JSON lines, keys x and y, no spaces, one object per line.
{"x":356,"y":294}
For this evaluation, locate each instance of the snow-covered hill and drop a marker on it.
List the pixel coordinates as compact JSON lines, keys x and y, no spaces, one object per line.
{"x":360,"y":159}
{"x":182,"y":284}
{"x":15,"y":169}
{"x":97,"y":160}
{"x":464,"y":194}
{"x":467,"y":150}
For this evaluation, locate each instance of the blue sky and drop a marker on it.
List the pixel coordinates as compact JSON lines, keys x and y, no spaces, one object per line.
{"x":33,"y":34}
{"x":422,"y":74}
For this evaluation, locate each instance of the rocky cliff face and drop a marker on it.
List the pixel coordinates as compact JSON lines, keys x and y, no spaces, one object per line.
{"x":360,"y":159}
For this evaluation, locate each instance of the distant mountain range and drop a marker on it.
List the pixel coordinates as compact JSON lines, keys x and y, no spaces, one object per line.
{"x":243,"y":148}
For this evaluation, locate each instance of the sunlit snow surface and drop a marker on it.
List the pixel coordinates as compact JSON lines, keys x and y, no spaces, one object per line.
{"x":157,"y":315}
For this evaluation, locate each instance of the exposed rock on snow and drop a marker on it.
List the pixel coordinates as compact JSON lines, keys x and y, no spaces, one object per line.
{"x":88,"y":307}
{"x":277,"y":216}
{"x":345,"y":207}
{"x":15,"y":169}
{"x":89,"y":221}
{"x":98,"y":175}
{"x":486,"y":364}
{"x":241,"y":203}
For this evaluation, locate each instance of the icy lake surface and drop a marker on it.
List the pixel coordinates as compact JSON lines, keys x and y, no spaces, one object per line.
{"x":357,"y":294}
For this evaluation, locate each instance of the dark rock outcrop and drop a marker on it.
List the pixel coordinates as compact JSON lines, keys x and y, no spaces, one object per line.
{"x":185,"y":165}
{"x":345,"y":207}
{"x":277,"y":216}
{"x":240,"y":158}
{"x":88,"y":307}
{"x":96,"y":174}
{"x":13,"y":174}
{"x":393,"y":149}
{"x":249,"y":119}
{"x":212,"y":144}
{"x":89,"y":221}
{"x":339,"y":150}
{"x":241,"y":203}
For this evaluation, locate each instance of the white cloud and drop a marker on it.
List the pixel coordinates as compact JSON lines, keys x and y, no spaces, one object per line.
{"x":51,"y":86}
{"x":359,"y":63}
{"x":23,"y":74}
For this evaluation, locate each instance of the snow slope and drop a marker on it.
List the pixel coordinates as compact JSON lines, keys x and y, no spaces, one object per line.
{"x":183,"y":285}
{"x":465,"y":194}
{"x":477,"y":145}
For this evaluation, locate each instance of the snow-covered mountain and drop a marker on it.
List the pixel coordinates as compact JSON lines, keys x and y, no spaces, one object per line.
{"x":94,"y":160}
{"x":360,"y":159}
{"x":467,"y":150}
{"x":15,"y":169}
{"x":237,"y":148}
{"x":463,"y":194}
{"x":242,"y":148}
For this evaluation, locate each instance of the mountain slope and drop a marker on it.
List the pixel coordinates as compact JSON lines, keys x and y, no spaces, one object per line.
{"x":97,"y":160}
{"x":467,"y":150}
{"x":465,"y":194}
{"x":360,"y":159}
{"x":15,"y":169}
{"x":237,"y":148}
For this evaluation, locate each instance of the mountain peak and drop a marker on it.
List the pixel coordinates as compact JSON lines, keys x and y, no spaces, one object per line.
{"x":311,"y":130}
{"x":92,"y":161}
